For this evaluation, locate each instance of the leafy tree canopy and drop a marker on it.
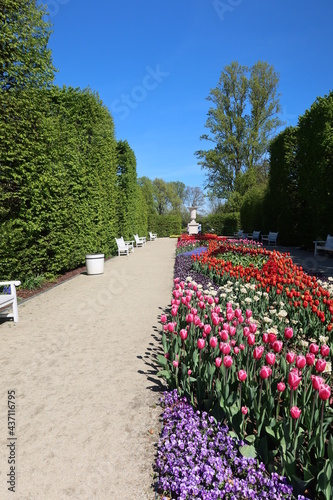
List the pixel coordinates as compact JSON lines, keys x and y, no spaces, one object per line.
{"x":242,"y":120}
{"x":25,"y":60}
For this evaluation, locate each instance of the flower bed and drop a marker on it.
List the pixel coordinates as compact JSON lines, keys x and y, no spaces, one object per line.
{"x":197,"y":458}
{"x":255,"y":368}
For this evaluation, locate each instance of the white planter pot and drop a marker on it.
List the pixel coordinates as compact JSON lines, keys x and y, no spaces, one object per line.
{"x":95,"y":263}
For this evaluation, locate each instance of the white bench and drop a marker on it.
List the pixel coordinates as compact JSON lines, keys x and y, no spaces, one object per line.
{"x":324,"y":245}
{"x":124,"y":247}
{"x":152,"y":236}
{"x":9,"y":300}
{"x":255,"y":236}
{"x":270,"y":238}
{"x":140,"y":241}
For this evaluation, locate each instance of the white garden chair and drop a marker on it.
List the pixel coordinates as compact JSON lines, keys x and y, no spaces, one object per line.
{"x":140,"y":241}
{"x":9,"y":300}
{"x":152,"y":236}
{"x":124,"y":247}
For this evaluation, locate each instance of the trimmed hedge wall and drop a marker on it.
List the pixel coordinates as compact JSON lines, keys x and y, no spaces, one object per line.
{"x":164,"y":225}
{"x":59,"y":185}
{"x":222,"y":224}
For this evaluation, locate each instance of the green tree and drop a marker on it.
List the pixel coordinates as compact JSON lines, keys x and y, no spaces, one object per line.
{"x":25,"y":60}
{"x":241,"y":122}
{"x":147,"y":189}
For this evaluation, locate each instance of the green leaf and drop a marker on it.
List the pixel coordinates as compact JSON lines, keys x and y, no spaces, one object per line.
{"x":248,"y":451}
{"x":161,"y":360}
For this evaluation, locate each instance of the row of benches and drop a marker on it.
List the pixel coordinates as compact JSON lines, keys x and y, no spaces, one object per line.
{"x":126,"y":247}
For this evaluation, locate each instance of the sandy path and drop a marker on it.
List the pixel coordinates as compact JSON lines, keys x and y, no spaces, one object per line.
{"x":86,"y":395}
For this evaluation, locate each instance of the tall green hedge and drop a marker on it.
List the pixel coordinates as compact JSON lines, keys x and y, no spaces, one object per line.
{"x":164,"y":225}
{"x":252,"y":212}
{"x":222,"y":224}
{"x":58,"y":177}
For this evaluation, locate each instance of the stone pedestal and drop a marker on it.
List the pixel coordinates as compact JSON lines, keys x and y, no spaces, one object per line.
{"x":193,"y":227}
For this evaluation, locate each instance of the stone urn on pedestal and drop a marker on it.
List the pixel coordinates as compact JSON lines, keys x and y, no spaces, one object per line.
{"x":193,"y":226}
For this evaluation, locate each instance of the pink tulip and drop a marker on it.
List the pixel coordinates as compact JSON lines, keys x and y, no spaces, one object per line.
{"x":227,"y":361}
{"x":320,"y":365}
{"x":164,"y":318}
{"x":213,"y":342}
{"x":324,"y":350}
{"x":316,"y":382}
{"x":242,"y":375}
{"x":310,"y":358}
{"x":232,"y":342}
{"x":270,"y":358}
{"x":224,"y":348}
{"x":293,"y":380}
{"x":271,"y":338}
{"x":226,"y":327}
{"x":244,"y":410}
{"x":215,"y":319}
{"x":216,"y":300}
{"x":242,"y":347}
{"x":314,"y":348}
{"x":202,"y":305}
{"x":324,"y":392}
{"x":232,"y":331}
{"x":175,"y":363}
{"x":290,"y":357}
{"x":246,"y":331}
{"x":210,"y":300}
{"x":265,"y":338}
{"x":207,"y":329}
{"x":238,"y":313}
{"x":224,"y":335}
{"x":281,"y":386}
{"x":278,"y":346}
{"x":230,"y":316}
{"x":300,"y":361}
{"x":295,"y":412}
{"x":265,"y":372}
{"x":201,"y":343}
{"x":196,"y":320}
{"x":288,"y":333}
{"x":189,"y":372}
{"x":189,"y":318}
{"x":236,"y":350}
{"x":251,"y":339}
{"x":174,"y":310}
{"x":248,"y":313}
{"x":183,"y":299}
{"x":183,"y":334}
{"x":218,"y":362}
{"x":258,"y":352}
{"x":171,"y":327}
{"x":253,"y":327}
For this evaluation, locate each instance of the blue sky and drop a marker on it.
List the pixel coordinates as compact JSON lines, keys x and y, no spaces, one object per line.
{"x":154,"y":62}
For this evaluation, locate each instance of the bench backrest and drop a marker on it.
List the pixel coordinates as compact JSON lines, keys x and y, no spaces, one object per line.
{"x":329,"y":241}
{"x":272,"y":236}
{"x":255,"y":235}
{"x":120,"y":243}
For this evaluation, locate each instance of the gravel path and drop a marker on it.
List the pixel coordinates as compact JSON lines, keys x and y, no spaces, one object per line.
{"x":80,"y":363}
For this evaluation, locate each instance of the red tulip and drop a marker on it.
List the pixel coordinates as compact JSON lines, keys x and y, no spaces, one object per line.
{"x":242,"y":375}
{"x":295,"y":412}
{"x":324,"y":392}
{"x":270,"y":358}
{"x":320,"y":365}
{"x":265,"y":372}
{"x":288,"y":333}
{"x":227,"y":361}
{"x":271,"y":338}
